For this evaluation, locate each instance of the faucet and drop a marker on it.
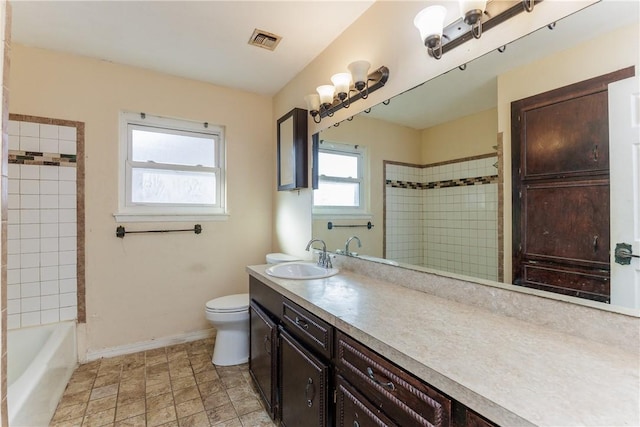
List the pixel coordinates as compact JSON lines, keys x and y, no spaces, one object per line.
{"x":324,"y":260}
{"x":346,"y":245}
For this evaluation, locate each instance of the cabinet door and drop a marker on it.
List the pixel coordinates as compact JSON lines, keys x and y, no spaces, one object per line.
{"x":303,"y":385}
{"x":262,"y":357}
{"x":353,"y":410}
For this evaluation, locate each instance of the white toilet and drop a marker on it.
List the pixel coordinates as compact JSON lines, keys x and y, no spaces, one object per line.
{"x":230,"y":316}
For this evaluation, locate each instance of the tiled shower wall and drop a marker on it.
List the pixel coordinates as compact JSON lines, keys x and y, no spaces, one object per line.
{"x":444,"y":216}
{"x":42,"y":247}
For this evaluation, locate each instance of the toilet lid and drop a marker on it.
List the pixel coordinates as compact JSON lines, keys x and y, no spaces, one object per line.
{"x":237,"y":302}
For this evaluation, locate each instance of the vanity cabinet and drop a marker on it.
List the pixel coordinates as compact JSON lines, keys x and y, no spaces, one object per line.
{"x":310,"y":374}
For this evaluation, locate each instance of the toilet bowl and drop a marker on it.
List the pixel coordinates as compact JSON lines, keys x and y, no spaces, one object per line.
{"x":230,"y":317}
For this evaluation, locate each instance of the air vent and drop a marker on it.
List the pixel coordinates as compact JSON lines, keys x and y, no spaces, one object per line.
{"x":264,"y":39}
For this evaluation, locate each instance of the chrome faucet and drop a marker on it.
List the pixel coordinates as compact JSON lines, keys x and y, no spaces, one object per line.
{"x":346,"y":245}
{"x":324,"y":260}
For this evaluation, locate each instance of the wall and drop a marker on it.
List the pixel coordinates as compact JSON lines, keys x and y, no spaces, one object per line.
{"x":468,"y":136}
{"x":385,"y":35}
{"x":384,"y":141}
{"x":145,"y":287}
{"x":595,"y":57}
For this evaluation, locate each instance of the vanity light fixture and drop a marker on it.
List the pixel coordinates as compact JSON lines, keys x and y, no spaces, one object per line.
{"x":346,"y":88}
{"x":476,"y":16}
{"x":472,"y":11}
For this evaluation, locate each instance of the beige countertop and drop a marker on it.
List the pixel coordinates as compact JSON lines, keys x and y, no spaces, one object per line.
{"x":509,"y":370}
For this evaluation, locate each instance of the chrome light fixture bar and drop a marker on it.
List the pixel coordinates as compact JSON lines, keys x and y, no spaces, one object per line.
{"x":475,"y":19}
{"x":346,"y":89}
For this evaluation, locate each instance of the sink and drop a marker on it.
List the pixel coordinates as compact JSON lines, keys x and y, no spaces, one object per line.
{"x":300,"y":270}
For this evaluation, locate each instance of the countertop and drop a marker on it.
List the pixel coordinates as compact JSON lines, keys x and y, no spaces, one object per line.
{"x":511,"y":371}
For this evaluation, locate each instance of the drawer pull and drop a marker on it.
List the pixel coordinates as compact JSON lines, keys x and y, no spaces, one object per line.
{"x":356,"y":424}
{"x":310,"y":388}
{"x":267,"y":348}
{"x":373,"y":378}
{"x":301,"y":323}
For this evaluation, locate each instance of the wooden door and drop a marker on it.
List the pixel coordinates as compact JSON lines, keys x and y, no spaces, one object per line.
{"x":303,"y":385}
{"x":560,"y":144}
{"x":262,"y":357}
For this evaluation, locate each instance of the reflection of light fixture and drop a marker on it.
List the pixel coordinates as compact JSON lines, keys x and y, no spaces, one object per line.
{"x":329,"y":99}
{"x":429,"y":22}
{"x":471,"y":11}
{"x":477,"y":16}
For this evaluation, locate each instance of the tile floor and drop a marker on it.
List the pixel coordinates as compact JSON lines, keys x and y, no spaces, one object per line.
{"x":170,"y":386}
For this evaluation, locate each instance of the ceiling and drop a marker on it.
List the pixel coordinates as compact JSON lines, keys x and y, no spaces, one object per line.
{"x":200,"y":40}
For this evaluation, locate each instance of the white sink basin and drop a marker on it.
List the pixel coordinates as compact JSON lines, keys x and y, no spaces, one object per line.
{"x":300,"y":270}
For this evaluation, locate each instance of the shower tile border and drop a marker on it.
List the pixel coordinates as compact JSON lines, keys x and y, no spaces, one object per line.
{"x":64,"y":160}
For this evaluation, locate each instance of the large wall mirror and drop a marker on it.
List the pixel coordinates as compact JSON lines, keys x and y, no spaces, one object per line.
{"x":436,"y":157}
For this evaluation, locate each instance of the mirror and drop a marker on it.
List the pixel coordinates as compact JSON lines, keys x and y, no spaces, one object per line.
{"x":448,"y":129}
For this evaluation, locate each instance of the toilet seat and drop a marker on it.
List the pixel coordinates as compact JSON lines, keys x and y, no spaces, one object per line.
{"x":228,"y":304}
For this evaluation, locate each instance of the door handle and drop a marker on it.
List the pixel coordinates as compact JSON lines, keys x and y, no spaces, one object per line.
{"x":624,"y":253}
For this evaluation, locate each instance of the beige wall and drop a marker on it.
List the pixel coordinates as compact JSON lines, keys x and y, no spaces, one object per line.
{"x":467,"y":136}
{"x":593,"y":58}
{"x":383,"y":141}
{"x":151,"y":286}
{"x":385,"y":35}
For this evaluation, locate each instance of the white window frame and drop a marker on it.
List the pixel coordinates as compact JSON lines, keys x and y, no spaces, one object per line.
{"x":129,"y":211}
{"x":362,"y":211}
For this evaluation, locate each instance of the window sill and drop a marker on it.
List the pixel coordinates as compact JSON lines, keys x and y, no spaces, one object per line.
{"x":150,"y":217}
{"x":329,"y":216}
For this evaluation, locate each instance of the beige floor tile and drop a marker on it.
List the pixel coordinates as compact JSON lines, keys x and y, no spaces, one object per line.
{"x":161,"y":416}
{"x":189,"y":407}
{"x":76,"y":422}
{"x":221,"y":413}
{"x":211,"y":387}
{"x":196,"y":420}
{"x":99,"y":418}
{"x":206,"y":375}
{"x":70,"y":412}
{"x":234,"y":422}
{"x":184,"y":382}
{"x":75,"y":398}
{"x":137,"y":421}
{"x":246,"y":406}
{"x":184,"y":394}
{"x":257,"y":419}
{"x":233,"y":380}
{"x":216,"y":400}
{"x":104,"y":391}
{"x":131,"y":409}
{"x":99,"y":405}
{"x":160,"y":401}
{"x":107,"y":379}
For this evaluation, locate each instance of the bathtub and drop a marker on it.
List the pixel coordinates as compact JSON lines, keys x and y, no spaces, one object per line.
{"x":40,"y":361}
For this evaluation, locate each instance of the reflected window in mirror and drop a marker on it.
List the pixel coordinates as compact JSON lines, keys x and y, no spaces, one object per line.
{"x":341,"y":185}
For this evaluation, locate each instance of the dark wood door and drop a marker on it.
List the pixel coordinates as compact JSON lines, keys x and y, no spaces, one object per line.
{"x":303,"y":385}
{"x":560,"y":144}
{"x":262,"y":356}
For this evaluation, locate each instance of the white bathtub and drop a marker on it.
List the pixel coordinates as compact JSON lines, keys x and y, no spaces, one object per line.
{"x":40,"y":361}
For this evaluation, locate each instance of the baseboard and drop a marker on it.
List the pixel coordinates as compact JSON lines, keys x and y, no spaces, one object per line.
{"x":148,"y":345}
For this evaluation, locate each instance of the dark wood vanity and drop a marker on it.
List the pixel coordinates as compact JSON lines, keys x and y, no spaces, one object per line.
{"x":310,"y":373}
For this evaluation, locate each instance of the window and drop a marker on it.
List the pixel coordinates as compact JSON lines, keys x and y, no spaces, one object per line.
{"x":341,"y":170}
{"x":170,"y":169}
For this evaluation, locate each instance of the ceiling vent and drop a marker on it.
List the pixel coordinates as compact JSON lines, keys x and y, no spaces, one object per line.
{"x":264,"y":39}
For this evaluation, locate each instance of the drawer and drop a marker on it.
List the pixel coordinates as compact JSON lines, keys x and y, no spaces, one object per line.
{"x":401,"y":396}
{"x":353,"y":410}
{"x":308,"y":328}
{"x":265,"y":297}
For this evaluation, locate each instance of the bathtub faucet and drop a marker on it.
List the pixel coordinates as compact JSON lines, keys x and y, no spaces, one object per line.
{"x":324,"y":260}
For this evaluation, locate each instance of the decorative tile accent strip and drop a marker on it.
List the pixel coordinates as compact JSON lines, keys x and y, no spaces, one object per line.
{"x":464,"y":182}
{"x":37,"y":158}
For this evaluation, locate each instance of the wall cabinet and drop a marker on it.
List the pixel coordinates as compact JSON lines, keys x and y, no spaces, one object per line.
{"x":311,"y":374}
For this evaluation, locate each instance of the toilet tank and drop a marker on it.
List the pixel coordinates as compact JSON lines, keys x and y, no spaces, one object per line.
{"x":277,"y":258}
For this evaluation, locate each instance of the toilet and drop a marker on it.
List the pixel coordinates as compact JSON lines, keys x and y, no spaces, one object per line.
{"x":230,"y":316}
